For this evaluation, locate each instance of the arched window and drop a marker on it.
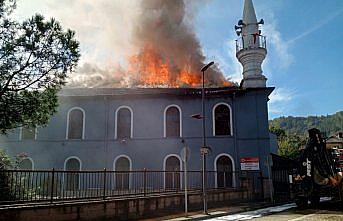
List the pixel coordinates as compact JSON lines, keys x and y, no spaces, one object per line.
{"x":224,"y":172}
{"x":172,"y":122}
{"x":122,"y":167}
{"x":172,"y":173}
{"x":72,"y":177}
{"x":26,"y":164}
{"x":222,"y":120}
{"x":124,"y":123}
{"x":28,"y":133}
{"x":76,"y":118}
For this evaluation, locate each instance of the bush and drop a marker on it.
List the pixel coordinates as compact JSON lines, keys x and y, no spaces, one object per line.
{"x":5,"y":188}
{"x":8,"y":182}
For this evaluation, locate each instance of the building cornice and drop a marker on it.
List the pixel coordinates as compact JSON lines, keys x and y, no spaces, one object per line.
{"x":89,"y":92}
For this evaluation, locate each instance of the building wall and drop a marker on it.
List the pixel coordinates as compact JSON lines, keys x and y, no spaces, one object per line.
{"x":148,"y":148}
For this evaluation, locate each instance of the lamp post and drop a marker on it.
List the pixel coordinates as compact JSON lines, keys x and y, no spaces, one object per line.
{"x":204,"y":148}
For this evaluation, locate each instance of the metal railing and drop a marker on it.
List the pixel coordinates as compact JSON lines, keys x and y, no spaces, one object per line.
{"x":251,"y":41}
{"x":57,"y":185}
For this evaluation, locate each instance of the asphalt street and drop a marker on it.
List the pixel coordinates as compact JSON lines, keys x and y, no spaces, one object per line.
{"x":326,"y":211}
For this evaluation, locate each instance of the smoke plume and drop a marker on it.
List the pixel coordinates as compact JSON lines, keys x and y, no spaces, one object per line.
{"x":136,"y":43}
{"x":163,"y":28}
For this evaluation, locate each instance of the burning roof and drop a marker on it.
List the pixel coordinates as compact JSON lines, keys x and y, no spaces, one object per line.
{"x":168,"y":53}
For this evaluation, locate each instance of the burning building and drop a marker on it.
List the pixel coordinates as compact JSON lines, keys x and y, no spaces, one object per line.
{"x":136,"y":128}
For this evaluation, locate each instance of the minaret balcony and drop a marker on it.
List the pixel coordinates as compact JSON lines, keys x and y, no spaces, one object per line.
{"x":252,"y":41}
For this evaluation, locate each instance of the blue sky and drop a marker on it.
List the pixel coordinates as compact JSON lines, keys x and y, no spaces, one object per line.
{"x":305,"y":45}
{"x":304,"y":38}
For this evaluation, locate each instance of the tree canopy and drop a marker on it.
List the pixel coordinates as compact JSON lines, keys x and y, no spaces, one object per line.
{"x":292,"y":131}
{"x":299,"y":125}
{"x":289,"y":145}
{"x":35,"y":57}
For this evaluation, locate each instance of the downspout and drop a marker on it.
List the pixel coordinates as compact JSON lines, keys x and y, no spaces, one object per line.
{"x":258,"y":138}
{"x":237,"y":167}
{"x":106,"y":131}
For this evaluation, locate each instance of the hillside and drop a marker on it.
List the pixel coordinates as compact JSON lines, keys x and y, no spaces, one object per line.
{"x":299,"y":125}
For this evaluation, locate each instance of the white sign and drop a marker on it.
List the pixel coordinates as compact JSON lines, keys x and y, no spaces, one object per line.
{"x":250,"y":163}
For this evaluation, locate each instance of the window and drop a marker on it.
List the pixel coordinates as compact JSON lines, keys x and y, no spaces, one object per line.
{"x":222,"y":120}
{"x":122,"y":174}
{"x":76,"y":124}
{"x":28,"y":133}
{"x":26,"y":164}
{"x":72,"y":177}
{"x":172,"y":122}
{"x":224,"y":172}
{"x":172,"y":173}
{"x":124,"y":123}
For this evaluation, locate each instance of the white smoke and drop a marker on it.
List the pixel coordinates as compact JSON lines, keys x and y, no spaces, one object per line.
{"x":110,"y":31}
{"x":103,"y":27}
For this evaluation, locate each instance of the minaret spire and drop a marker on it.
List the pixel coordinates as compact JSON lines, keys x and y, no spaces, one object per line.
{"x":251,"y":47}
{"x":249,"y":15}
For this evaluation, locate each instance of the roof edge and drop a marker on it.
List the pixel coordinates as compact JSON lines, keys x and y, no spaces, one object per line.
{"x":66,"y":92}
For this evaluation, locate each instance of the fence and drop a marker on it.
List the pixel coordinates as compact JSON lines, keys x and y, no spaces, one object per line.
{"x":281,"y":169}
{"x":56,"y":185}
{"x":251,"y":41}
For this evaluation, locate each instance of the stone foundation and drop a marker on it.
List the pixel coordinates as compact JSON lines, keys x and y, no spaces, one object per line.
{"x":119,"y":209}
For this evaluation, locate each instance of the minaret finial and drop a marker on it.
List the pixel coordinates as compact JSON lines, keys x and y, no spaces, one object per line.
{"x":249,"y":15}
{"x":251,"y":47}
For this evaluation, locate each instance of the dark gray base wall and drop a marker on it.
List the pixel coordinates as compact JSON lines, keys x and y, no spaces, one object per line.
{"x":120,"y":209}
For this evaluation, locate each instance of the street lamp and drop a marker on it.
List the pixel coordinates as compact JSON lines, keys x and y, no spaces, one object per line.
{"x":204,"y":148}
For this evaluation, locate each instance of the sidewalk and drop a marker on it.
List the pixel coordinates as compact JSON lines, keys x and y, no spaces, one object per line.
{"x":216,"y":212}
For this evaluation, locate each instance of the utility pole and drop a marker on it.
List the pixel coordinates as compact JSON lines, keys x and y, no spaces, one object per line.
{"x":204,"y":148}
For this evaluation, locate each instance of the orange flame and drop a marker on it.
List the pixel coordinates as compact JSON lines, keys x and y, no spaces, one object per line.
{"x":151,"y":69}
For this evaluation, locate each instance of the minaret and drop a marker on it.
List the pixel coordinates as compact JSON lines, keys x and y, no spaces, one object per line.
{"x":251,"y":48}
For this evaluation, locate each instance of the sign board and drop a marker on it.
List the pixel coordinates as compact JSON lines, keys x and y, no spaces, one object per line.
{"x":204,"y":150}
{"x":250,"y":163}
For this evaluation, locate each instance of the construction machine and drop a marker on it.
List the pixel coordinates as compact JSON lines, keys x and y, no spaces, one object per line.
{"x":318,"y":172}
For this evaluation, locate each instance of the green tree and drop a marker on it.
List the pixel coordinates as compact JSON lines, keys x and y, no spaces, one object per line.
{"x":7,"y":180}
{"x":280,"y":133}
{"x":35,"y":57}
{"x":5,"y":188}
{"x":300,"y":125}
{"x":288,"y":144}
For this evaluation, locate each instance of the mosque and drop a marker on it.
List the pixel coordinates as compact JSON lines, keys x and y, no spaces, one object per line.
{"x":136,"y":128}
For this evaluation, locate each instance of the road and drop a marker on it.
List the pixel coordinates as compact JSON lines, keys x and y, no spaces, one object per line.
{"x":326,"y":211}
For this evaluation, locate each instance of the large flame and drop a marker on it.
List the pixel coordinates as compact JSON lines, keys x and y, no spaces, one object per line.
{"x":153,"y":70}
{"x":157,"y":46}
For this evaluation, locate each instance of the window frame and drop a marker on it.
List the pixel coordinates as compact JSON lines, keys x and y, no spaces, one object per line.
{"x":83,"y":123}
{"x":116,"y":122}
{"x":32,"y":163}
{"x":70,"y":158}
{"x":65,"y":169}
{"x":115,"y":169}
{"x":21,"y":134}
{"x":214,"y":120}
{"x":165,"y":167}
{"x":165,"y":120}
{"x":233,"y":169}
